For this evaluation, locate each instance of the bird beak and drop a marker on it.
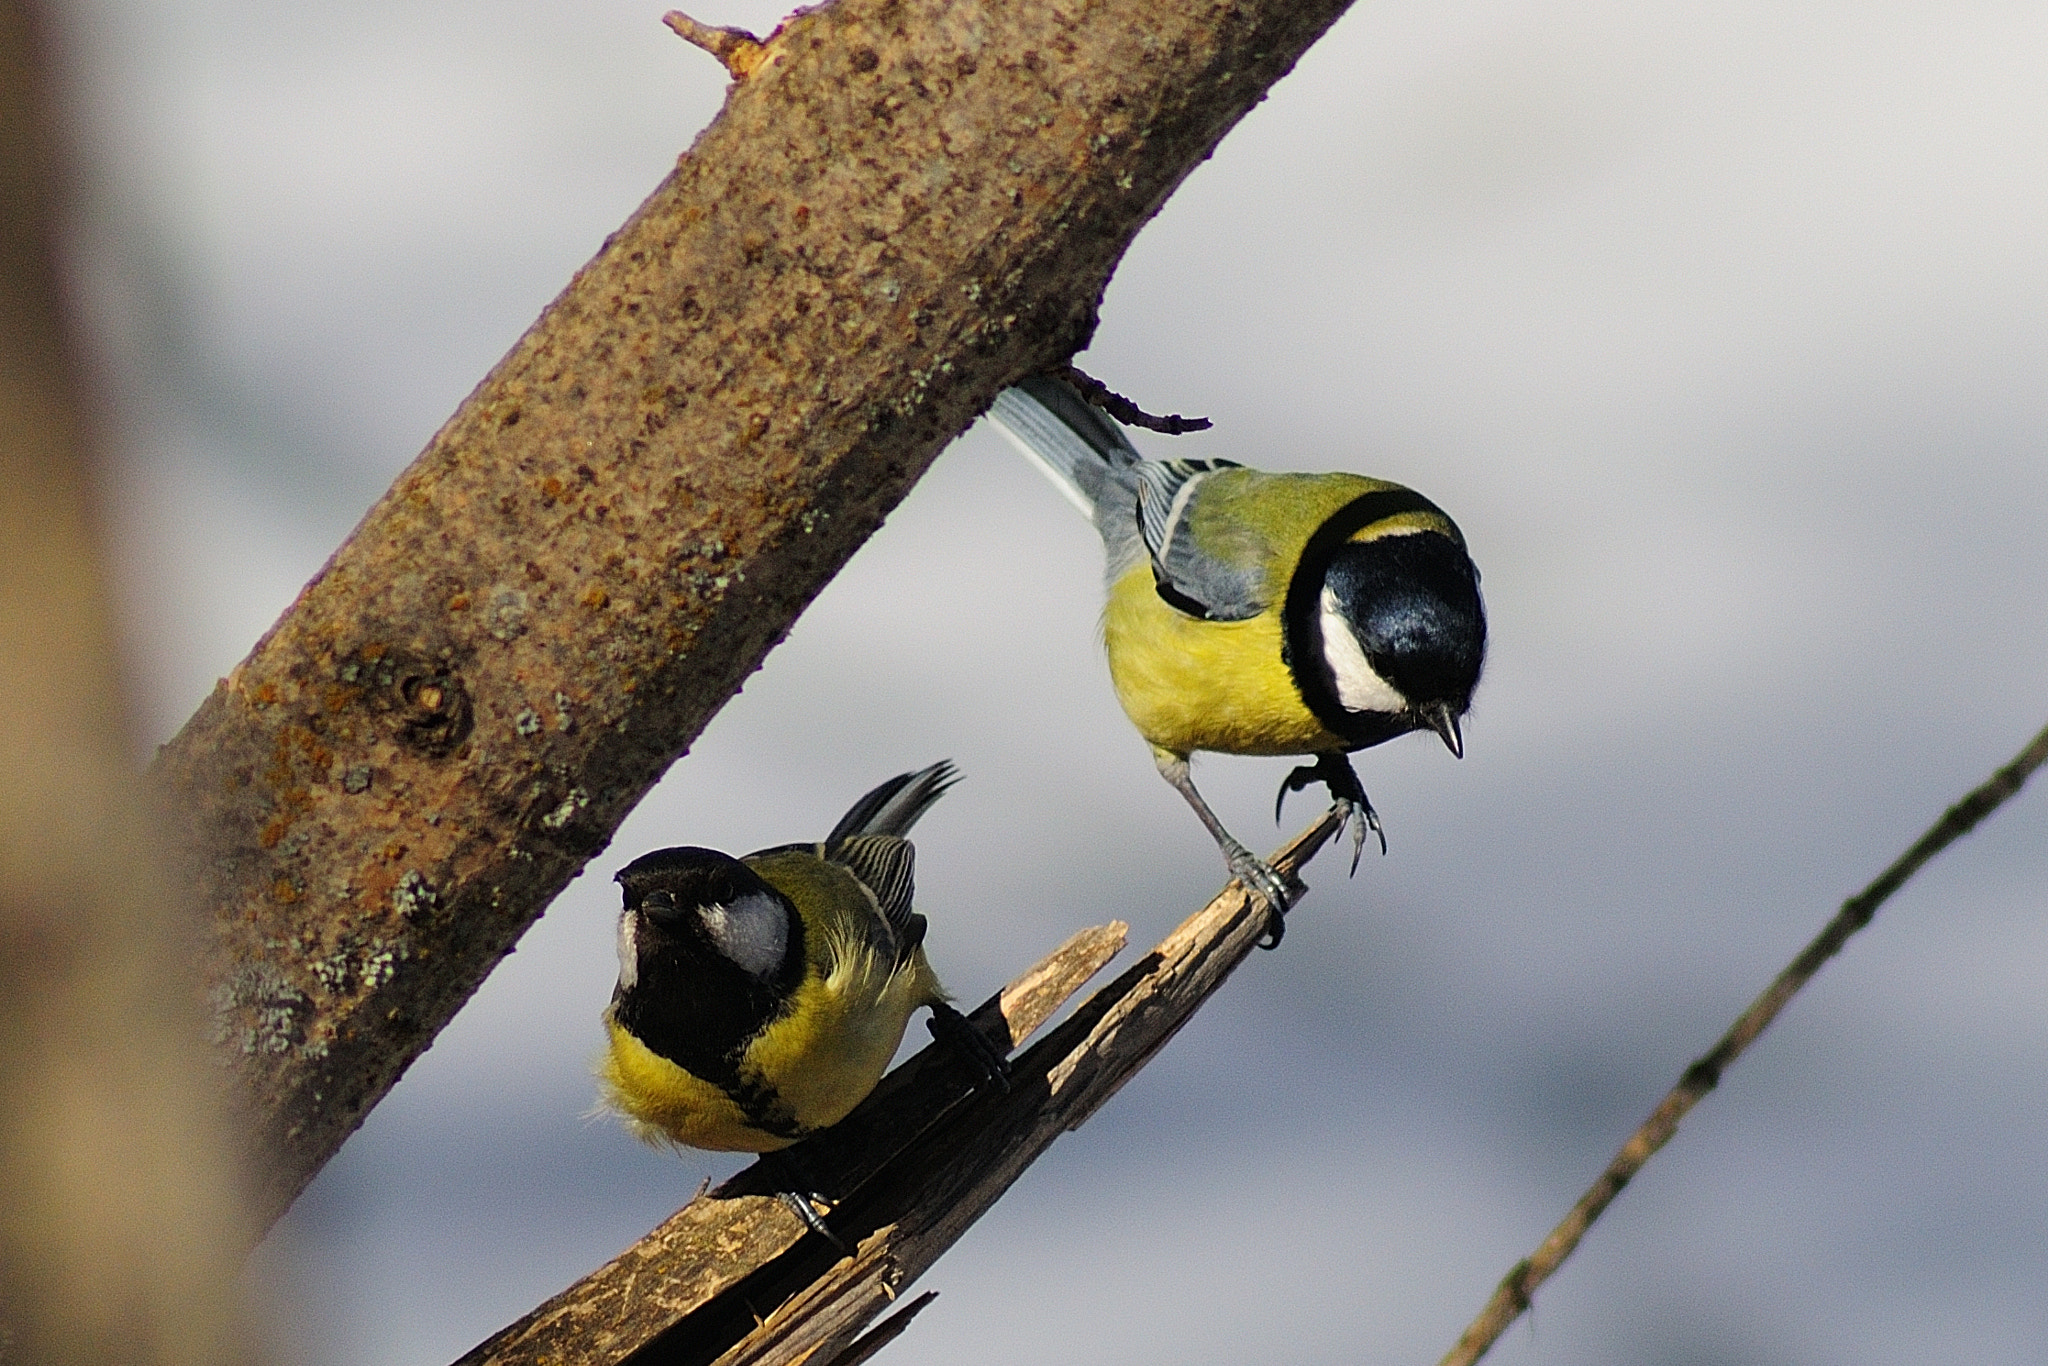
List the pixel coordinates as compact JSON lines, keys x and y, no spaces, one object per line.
{"x":1437,"y":716}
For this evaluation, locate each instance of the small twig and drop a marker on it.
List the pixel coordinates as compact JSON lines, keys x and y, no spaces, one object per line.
{"x":739,"y":51}
{"x":1518,"y":1287}
{"x":1125,"y":411}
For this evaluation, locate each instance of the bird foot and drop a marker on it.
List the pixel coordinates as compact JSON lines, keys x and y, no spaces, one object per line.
{"x":795,"y":1191}
{"x":1347,"y":797}
{"x":952,"y":1031}
{"x":1264,"y":884}
{"x":805,"y":1207}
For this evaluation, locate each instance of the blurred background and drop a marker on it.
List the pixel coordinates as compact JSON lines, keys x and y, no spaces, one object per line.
{"x":1722,"y":330}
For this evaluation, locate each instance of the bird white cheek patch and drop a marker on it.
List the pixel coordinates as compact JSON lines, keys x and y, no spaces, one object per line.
{"x":629,"y":951}
{"x":753,"y":932}
{"x":1358,"y":687}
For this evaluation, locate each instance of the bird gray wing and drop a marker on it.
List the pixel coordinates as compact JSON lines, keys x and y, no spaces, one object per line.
{"x":1216,"y":582}
{"x":885,"y":865}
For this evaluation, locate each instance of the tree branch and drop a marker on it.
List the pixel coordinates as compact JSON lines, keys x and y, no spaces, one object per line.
{"x":906,"y":205}
{"x":911,"y":1171}
{"x":1518,"y":1288}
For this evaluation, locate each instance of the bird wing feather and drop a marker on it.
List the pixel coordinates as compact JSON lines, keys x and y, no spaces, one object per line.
{"x":1216,"y":583}
{"x":886,"y":866}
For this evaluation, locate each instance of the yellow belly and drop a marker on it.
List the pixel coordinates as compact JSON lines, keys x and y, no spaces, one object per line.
{"x":825,"y":1056}
{"x":1213,"y":685}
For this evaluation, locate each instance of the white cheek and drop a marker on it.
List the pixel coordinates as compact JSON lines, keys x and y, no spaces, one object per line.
{"x":1358,"y":687}
{"x":629,"y":950}
{"x":753,"y":932}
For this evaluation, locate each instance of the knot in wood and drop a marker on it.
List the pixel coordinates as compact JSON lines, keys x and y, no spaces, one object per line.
{"x":436,"y":715}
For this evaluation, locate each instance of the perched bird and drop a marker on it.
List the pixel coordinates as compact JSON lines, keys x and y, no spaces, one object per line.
{"x":1254,"y":613}
{"x":760,"y":998}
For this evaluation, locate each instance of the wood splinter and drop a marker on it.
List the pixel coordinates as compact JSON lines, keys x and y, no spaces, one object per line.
{"x":739,"y":51}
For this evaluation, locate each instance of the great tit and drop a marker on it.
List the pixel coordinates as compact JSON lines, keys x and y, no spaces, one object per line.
{"x":760,"y":998}
{"x":1254,"y":613}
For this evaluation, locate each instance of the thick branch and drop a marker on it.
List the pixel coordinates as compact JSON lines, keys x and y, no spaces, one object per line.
{"x":906,"y":205}
{"x":1518,"y":1288}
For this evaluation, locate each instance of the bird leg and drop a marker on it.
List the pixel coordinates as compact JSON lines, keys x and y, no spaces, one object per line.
{"x":1334,"y":771}
{"x":1259,"y":878}
{"x":952,"y":1031}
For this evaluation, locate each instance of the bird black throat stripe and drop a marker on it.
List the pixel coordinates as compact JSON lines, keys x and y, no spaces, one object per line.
{"x":710,"y":1056}
{"x":1302,"y":615}
{"x":701,"y":1013}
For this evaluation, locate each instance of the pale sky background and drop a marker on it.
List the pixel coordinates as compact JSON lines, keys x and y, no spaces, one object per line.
{"x":1723,"y":332}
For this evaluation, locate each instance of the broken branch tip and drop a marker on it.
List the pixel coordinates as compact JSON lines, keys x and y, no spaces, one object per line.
{"x":737,"y":50}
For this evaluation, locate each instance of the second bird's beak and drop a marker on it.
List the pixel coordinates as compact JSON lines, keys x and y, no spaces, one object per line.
{"x":1437,"y":716}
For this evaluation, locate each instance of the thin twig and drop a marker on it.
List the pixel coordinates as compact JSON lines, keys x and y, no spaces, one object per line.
{"x":1518,"y":1287}
{"x":1125,"y":411}
{"x":737,"y":50}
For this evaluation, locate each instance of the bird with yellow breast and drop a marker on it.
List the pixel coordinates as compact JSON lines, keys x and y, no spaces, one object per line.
{"x":1257,"y":613}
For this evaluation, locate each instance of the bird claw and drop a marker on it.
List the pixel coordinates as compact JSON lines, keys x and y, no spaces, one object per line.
{"x":1263,"y":883}
{"x":1347,"y":797}
{"x":1293,"y":782}
{"x":802,"y":1207}
{"x":798,"y":1194}
{"x":952,"y":1031}
{"x":1361,"y":818}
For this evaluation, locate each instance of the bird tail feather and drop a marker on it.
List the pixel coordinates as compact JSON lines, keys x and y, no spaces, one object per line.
{"x":893,"y":807}
{"x":1073,"y":443}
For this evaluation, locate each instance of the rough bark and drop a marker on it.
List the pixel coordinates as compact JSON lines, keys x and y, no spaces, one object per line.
{"x":119,"y":1236}
{"x":904,"y":206}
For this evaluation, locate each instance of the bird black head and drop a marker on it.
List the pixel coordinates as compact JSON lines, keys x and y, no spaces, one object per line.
{"x":1411,"y":604}
{"x":709,"y":954}
{"x":698,"y":909}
